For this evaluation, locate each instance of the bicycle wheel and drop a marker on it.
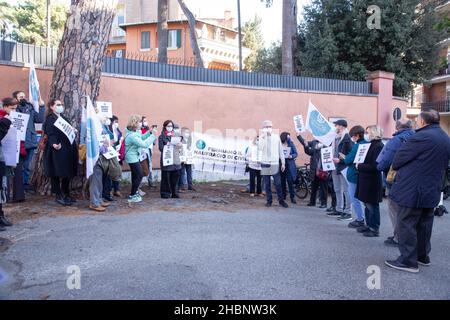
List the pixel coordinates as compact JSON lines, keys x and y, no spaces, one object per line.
{"x":301,"y":190}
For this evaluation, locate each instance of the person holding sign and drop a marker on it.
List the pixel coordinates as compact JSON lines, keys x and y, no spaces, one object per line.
{"x":342,"y":145}
{"x":271,"y":150}
{"x":9,"y":105}
{"x":60,"y":155}
{"x":290,"y":174}
{"x":170,"y":146}
{"x":135,"y":141}
{"x":31,"y":136}
{"x":357,"y":136}
{"x":186,"y":163}
{"x":370,"y":184}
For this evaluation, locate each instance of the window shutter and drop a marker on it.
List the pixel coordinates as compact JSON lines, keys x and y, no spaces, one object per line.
{"x":179,"y":38}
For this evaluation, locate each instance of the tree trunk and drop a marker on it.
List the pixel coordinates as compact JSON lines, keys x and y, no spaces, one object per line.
{"x":78,"y":67}
{"x":163,"y":37}
{"x":193,"y":34}
{"x":289,"y":35}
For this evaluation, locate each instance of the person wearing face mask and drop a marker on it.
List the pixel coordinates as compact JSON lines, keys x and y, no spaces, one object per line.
{"x":60,"y":156}
{"x":341,"y":146}
{"x":31,"y":142}
{"x":170,"y":174}
{"x":289,"y":176}
{"x":149,"y":153}
{"x":135,"y":141}
{"x":312,"y":148}
{"x":271,"y":150}
{"x":357,"y":136}
{"x":369,"y":187}
{"x":254,"y":168}
{"x":9,"y":104}
{"x":420,"y":164}
{"x":186,"y":166}
{"x":118,"y":139}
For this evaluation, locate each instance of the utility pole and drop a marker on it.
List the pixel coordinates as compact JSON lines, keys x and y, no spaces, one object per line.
{"x":49,"y":19}
{"x":240,"y":33}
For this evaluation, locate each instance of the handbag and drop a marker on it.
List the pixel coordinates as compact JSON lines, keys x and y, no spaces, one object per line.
{"x":391,"y":175}
{"x":322,"y":175}
{"x":43,"y":142}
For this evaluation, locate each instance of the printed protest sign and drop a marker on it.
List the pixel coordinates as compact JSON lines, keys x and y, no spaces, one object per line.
{"x":11,"y":147}
{"x":33,"y":87}
{"x":20,"y":122}
{"x":286,"y":152}
{"x":111,"y":153}
{"x":298,"y":123}
{"x":168,"y":155}
{"x":327,"y":159}
{"x":105,"y":109}
{"x":362,"y":152}
{"x":66,"y":128}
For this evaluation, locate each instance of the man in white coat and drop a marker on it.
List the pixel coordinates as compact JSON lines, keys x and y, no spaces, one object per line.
{"x":271,"y":155}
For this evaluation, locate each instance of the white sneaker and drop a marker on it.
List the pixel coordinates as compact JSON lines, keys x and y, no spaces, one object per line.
{"x":141,"y":193}
{"x":135,"y":199}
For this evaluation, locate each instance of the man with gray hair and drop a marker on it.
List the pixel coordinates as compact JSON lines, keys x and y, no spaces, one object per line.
{"x":270,"y":152}
{"x":404,"y":131}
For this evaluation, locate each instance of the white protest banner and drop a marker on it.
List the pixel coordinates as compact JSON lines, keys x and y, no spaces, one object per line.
{"x":111,"y":153}
{"x":20,"y":122}
{"x":11,"y":147}
{"x":327,"y":159}
{"x":168,"y":155}
{"x":33,"y":87}
{"x":66,"y":128}
{"x":175,"y":140}
{"x":105,"y":109}
{"x":93,"y":133}
{"x":218,"y":154}
{"x":319,"y":126}
{"x":362,"y":152}
{"x":145,"y":153}
{"x":298,"y":123}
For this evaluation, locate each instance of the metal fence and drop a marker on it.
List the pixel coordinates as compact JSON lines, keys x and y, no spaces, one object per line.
{"x":440,"y":106}
{"x":17,"y":52}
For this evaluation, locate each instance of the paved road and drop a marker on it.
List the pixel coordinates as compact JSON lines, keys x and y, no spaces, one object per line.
{"x":296,"y":253}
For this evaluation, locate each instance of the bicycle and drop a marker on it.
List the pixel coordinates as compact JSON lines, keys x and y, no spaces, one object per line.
{"x":302,"y":184}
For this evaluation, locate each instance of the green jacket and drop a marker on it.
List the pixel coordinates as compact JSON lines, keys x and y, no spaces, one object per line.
{"x":352,"y":173}
{"x":134,"y":142}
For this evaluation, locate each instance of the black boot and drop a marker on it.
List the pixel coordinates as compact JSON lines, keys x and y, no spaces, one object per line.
{"x":5,"y":222}
{"x":62,"y":200}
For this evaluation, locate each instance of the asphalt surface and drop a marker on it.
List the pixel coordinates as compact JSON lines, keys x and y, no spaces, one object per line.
{"x":295,"y":253}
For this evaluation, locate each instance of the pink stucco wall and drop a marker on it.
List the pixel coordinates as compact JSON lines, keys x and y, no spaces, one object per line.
{"x":219,"y":107}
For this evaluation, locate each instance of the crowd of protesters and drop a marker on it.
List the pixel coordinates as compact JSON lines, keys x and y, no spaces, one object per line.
{"x":410,"y":168}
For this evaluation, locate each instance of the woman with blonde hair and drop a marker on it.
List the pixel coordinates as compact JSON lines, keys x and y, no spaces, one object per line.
{"x":135,"y":141}
{"x":369,"y":187}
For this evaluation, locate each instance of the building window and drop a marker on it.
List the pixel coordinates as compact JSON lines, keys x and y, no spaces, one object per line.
{"x":174,"y":39}
{"x":120,"y":20}
{"x":145,"y":40}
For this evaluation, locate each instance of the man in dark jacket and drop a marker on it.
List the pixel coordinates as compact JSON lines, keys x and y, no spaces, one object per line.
{"x":404,"y":131}
{"x":420,"y":165}
{"x":31,"y":137}
{"x":341,"y":145}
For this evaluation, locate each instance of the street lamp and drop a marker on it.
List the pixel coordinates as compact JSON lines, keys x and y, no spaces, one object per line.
{"x":240,"y":34}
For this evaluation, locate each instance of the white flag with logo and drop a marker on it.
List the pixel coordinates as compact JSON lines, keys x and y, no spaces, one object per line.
{"x":319,"y":126}
{"x":33,"y":87}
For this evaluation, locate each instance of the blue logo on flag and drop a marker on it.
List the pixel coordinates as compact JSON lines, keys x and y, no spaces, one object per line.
{"x":319,"y":126}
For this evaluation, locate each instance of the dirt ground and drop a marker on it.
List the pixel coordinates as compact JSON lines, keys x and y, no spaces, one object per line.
{"x":221,"y":196}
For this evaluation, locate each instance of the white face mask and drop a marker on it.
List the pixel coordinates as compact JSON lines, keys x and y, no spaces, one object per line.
{"x":267,"y":130}
{"x":115,"y":125}
{"x":107,"y":122}
{"x":366,"y":137}
{"x":59,"y":109}
{"x":145,"y":123}
{"x":169,"y":129}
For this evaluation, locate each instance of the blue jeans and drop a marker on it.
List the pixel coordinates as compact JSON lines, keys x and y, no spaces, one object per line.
{"x":356,"y":204}
{"x":286,"y":179}
{"x":268,"y":187}
{"x":373,"y":216}
{"x":186,"y":176}
{"x":26,"y":165}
